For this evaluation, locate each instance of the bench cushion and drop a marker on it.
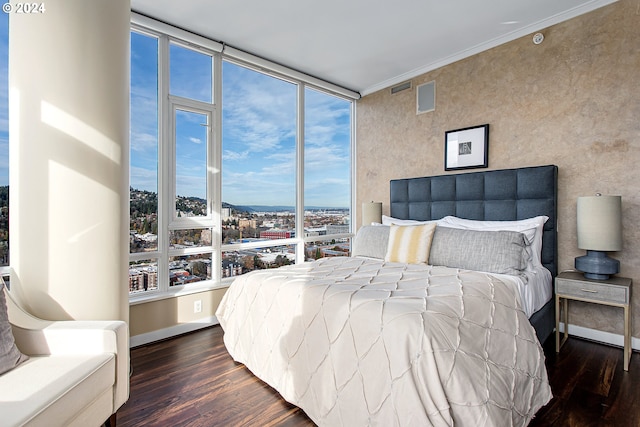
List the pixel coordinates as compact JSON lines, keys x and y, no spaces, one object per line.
{"x":50,"y":390}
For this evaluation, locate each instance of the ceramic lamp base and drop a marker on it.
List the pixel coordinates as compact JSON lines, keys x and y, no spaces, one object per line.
{"x":597,"y":265}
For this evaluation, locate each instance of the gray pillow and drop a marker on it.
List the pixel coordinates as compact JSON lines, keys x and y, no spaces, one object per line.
{"x":371,"y":241}
{"x":10,"y":356}
{"x":503,"y":252}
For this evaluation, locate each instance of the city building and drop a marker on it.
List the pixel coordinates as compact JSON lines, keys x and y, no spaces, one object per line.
{"x":275,"y":234}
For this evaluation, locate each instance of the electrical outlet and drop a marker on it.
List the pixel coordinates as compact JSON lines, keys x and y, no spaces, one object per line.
{"x":197,"y":306}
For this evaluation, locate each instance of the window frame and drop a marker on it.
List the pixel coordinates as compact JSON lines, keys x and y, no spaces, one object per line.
{"x":197,"y":107}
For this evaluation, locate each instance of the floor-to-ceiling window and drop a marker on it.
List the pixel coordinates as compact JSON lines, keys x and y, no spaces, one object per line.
{"x":259,"y":139}
{"x":233,"y":167}
{"x":189,"y":165}
{"x":144,"y":170}
{"x":327,"y":174}
{"x":172,"y":190}
{"x":4,"y":139}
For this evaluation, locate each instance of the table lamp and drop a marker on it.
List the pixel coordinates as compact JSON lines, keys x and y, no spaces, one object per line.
{"x":599,"y":231}
{"x":371,"y":212}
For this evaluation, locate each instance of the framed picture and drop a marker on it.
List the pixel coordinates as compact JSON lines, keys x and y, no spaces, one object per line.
{"x":466,"y":148}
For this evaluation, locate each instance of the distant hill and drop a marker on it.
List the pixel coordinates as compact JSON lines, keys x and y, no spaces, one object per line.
{"x":4,"y":196}
{"x":146,"y":202}
{"x":236,"y":208}
{"x":268,"y":208}
{"x":265,"y":208}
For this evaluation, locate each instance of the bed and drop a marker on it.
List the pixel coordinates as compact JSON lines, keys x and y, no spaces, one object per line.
{"x":501,"y":195}
{"x":396,"y":335}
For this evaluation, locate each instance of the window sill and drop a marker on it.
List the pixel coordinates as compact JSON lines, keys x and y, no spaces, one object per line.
{"x":174,"y":293}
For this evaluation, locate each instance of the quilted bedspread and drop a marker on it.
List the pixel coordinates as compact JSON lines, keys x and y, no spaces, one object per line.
{"x":357,"y":341}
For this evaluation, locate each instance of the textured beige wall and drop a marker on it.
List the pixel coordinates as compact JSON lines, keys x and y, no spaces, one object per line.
{"x":573,"y":101}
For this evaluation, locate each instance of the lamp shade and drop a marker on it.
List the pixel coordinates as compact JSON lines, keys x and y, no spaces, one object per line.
{"x":371,"y":212}
{"x":600,"y":223}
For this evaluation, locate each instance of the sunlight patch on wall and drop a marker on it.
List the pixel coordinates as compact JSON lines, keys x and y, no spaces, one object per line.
{"x":72,"y":126}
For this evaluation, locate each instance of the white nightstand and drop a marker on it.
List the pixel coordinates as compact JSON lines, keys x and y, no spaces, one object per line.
{"x":615,"y":291}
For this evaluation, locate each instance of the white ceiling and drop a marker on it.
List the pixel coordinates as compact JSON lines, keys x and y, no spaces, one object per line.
{"x":364,"y":45}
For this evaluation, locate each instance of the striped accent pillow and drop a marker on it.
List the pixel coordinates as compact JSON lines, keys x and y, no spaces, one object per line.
{"x":410,"y":244}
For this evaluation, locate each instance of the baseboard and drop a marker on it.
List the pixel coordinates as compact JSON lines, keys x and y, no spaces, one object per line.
{"x":600,"y":336}
{"x":578,"y":331}
{"x":172,"y":331}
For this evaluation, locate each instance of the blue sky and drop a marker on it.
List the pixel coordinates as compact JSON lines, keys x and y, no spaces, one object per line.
{"x":258,"y":128}
{"x":259,"y":134}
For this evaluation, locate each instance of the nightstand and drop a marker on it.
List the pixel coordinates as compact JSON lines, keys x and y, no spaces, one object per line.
{"x":615,"y":291}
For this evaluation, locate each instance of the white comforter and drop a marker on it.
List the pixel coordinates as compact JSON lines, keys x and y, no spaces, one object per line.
{"x":356,"y":341}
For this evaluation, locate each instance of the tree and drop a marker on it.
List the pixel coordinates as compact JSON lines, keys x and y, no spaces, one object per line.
{"x":229,"y":235}
{"x":282,"y":260}
{"x":199,"y":269}
{"x":248,"y":263}
{"x":258,"y":263}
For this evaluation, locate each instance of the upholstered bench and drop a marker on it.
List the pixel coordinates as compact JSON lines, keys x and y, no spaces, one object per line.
{"x":76,"y":374}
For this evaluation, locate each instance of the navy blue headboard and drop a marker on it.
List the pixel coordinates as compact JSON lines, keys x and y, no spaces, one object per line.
{"x":497,"y":195}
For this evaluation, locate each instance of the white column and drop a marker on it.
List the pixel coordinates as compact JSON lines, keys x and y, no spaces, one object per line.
{"x":69,"y":154}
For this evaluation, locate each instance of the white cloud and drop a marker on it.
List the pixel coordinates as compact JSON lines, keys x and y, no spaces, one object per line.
{"x":327,"y":157}
{"x":143,"y":179}
{"x":230,"y":156}
{"x":143,"y":142}
{"x":259,"y":111}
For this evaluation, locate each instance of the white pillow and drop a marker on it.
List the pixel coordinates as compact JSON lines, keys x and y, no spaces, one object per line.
{"x":10,"y":355}
{"x":494,"y":251}
{"x":371,"y":241}
{"x":410,"y":244}
{"x":388,"y":220}
{"x":532,"y":228}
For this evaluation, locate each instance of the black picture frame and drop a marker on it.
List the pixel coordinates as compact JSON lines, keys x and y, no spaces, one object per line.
{"x":466,"y":148}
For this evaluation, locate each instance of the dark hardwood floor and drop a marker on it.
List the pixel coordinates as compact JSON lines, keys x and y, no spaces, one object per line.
{"x":590,"y":386}
{"x":191,"y":380}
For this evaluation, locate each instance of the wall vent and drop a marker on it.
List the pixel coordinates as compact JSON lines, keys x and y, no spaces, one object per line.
{"x":426,"y":97}
{"x":400,"y":87}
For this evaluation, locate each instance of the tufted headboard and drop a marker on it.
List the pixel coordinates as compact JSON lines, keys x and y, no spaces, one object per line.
{"x":497,"y":195}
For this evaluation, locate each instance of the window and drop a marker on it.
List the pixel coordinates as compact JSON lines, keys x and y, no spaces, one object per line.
{"x":191,"y":74}
{"x":259,"y":137}
{"x":172,"y":231}
{"x":4,"y":139}
{"x":143,"y":205}
{"x":233,"y":168}
{"x":191,"y":229}
{"x":143,"y":178}
{"x":327,"y":174}
{"x":191,"y":161}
